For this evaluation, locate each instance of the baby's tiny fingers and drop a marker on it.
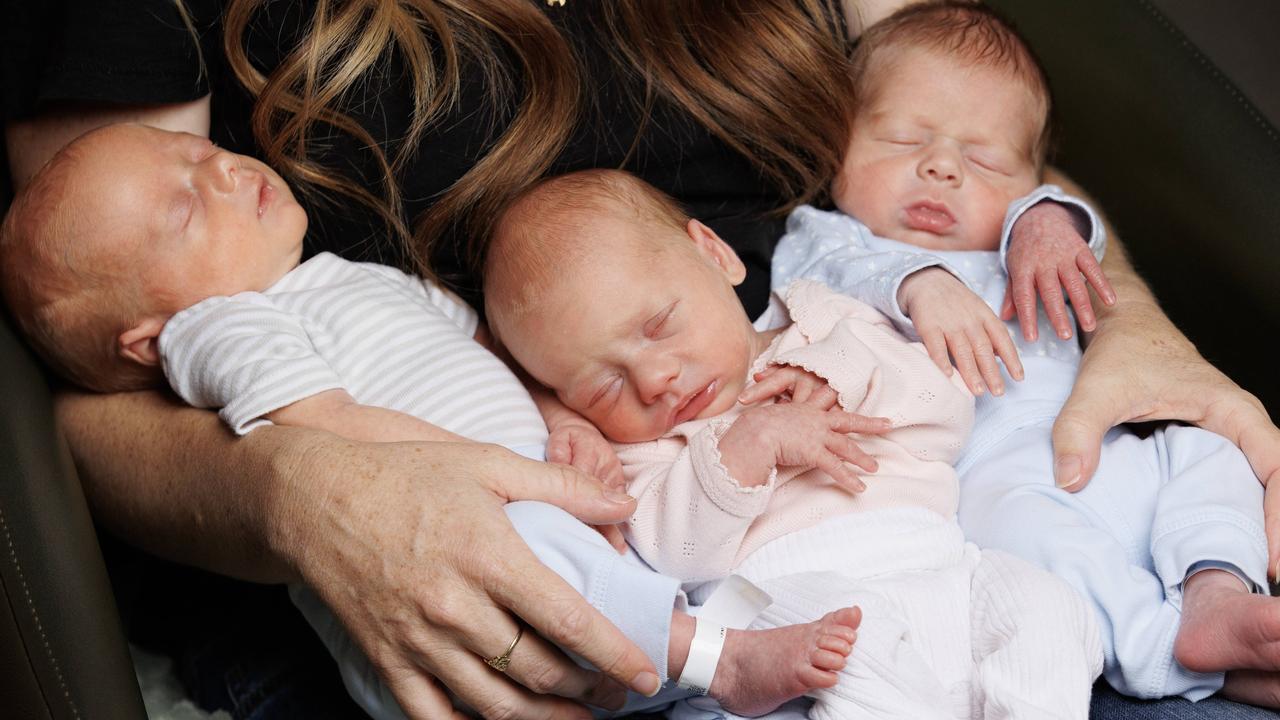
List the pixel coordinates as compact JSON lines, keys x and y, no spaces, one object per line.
{"x":844,"y":477}
{"x":1024,"y":301}
{"x":1092,"y":271}
{"x":846,"y":449}
{"x":987,"y":365}
{"x":824,"y":398}
{"x":767,"y":386}
{"x":962,"y":352}
{"x":935,"y":342}
{"x":1005,"y":348}
{"x":1054,"y":306}
{"x":613,"y":535}
{"x":1073,"y":281}
{"x":846,"y":422}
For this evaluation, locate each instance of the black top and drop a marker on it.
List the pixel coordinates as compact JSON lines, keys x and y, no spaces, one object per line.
{"x":139,"y":51}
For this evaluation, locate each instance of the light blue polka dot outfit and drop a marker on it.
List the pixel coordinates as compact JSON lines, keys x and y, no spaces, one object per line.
{"x":1158,"y":509}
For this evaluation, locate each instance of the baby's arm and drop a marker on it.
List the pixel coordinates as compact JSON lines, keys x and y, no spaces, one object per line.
{"x":835,"y":250}
{"x":697,"y":495}
{"x":337,"y":412}
{"x":1044,"y":248}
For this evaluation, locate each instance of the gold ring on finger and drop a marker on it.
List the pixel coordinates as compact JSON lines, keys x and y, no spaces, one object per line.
{"x":501,"y":662}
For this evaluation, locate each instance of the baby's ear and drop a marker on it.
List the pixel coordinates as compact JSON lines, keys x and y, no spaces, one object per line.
{"x":139,"y":343}
{"x":712,"y":247}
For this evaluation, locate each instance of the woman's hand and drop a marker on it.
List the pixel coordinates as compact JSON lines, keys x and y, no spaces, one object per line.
{"x":1140,"y":367}
{"x":409,"y":546}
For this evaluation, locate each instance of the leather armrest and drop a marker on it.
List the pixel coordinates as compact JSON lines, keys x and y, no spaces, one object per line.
{"x":62,"y":651}
{"x":1183,"y":164}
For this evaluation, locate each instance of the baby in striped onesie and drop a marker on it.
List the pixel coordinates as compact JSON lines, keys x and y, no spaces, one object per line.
{"x":739,"y":442}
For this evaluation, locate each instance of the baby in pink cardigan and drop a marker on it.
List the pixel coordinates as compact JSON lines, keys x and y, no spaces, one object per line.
{"x":740,"y":441}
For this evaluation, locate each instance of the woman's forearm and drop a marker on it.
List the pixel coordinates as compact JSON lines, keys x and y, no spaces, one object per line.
{"x":174,"y":481}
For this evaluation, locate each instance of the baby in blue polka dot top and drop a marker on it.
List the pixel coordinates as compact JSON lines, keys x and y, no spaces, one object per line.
{"x":943,"y":225}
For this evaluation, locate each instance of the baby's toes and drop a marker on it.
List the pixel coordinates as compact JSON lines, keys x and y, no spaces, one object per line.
{"x":835,"y":644}
{"x":827,"y":659}
{"x":816,"y":677}
{"x":850,"y":616}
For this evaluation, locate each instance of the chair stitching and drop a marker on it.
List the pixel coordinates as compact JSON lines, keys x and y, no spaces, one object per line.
{"x":35,"y":615}
{"x":1214,"y":72}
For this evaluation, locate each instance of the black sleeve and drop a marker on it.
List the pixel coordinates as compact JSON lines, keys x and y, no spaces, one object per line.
{"x":124,"y":51}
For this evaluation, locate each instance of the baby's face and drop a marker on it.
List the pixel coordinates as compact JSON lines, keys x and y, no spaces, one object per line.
{"x":940,"y":151}
{"x":639,"y":339}
{"x":195,"y":220}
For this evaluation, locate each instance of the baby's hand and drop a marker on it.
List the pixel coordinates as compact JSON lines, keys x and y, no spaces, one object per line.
{"x":950,"y":317}
{"x":797,"y":434}
{"x":1047,"y":253}
{"x":578,"y":443}
{"x":791,"y":384}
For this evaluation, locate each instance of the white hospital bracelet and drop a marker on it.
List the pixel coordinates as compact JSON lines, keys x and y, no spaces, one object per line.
{"x":704,"y":655}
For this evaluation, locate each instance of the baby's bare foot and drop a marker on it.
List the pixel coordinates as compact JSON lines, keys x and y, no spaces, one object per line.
{"x":761,"y":669}
{"x":1225,"y":627}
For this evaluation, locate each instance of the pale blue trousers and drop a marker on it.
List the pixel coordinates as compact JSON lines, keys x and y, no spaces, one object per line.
{"x":1155,"y":507}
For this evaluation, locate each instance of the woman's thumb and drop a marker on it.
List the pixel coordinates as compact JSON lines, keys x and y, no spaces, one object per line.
{"x":578,"y":493}
{"x":1077,"y":441}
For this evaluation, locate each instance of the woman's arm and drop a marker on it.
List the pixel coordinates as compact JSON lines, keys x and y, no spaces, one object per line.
{"x":1137,"y":366}
{"x":32,"y":142}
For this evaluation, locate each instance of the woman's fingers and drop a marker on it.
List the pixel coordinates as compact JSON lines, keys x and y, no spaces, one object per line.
{"x":543,"y":669}
{"x":494,"y":698}
{"x":512,"y":478}
{"x":419,"y":696}
{"x":1077,"y":435}
{"x":559,"y":613}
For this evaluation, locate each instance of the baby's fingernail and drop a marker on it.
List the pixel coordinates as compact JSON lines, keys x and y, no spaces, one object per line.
{"x":1066,"y":472}
{"x":617,"y":496}
{"x":1064,"y":334}
{"x":646,"y":683}
{"x":997,"y":389}
{"x":979,"y":388}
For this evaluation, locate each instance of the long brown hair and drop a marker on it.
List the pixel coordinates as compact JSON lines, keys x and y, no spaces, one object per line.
{"x":768,"y":77}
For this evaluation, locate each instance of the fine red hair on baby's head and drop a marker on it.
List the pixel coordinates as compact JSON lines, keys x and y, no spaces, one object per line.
{"x":965,"y":32}
{"x":67,"y":300}
{"x":546,"y":232}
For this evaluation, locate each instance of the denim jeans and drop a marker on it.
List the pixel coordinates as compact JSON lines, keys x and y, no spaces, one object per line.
{"x":1111,"y":705}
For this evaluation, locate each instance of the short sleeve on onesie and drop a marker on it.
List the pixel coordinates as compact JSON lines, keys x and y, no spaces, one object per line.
{"x":243,"y":355}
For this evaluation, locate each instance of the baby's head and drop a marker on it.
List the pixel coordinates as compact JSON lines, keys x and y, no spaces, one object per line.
{"x":950,"y":125}
{"x":607,"y":293}
{"x":124,"y":227}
